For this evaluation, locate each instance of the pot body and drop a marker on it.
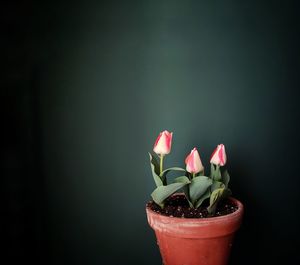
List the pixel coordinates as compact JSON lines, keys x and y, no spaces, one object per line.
{"x":195,"y":241}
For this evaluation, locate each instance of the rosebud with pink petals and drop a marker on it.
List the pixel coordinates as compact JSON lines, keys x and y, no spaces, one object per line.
{"x":218,"y":157}
{"x":193,"y":162}
{"x":163,"y":143}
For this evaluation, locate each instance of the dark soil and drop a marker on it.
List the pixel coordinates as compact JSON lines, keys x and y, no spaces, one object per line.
{"x":178,"y":206}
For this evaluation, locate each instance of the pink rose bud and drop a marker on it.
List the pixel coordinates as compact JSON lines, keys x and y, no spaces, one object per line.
{"x":218,"y":157}
{"x":163,"y":143}
{"x":193,"y":162}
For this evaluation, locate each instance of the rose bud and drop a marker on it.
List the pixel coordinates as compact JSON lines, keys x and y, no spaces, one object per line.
{"x":218,"y":157}
{"x":193,"y":162}
{"x":163,"y":143}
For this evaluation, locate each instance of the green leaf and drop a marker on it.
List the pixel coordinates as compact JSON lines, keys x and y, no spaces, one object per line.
{"x":217,"y":175}
{"x":163,"y":192}
{"x":216,"y":196}
{"x":185,"y":179}
{"x":217,"y":185}
{"x":198,"y":187}
{"x":163,"y":174}
{"x":205,"y":196}
{"x":182,"y":179}
{"x":215,"y":172}
{"x":212,"y":170}
{"x":154,"y":166}
{"x":187,"y":195}
{"x":155,"y":163}
{"x":227,"y":192}
{"x":226,"y":178}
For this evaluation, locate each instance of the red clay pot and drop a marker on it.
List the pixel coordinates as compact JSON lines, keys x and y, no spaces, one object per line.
{"x":195,"y":241}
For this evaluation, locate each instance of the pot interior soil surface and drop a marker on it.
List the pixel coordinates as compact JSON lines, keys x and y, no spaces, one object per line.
{"x":178,"y":206}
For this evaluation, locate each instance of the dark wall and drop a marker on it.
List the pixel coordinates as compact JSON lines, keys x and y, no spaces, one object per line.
{"x":22,"y":182}
{"x":88,"y":87}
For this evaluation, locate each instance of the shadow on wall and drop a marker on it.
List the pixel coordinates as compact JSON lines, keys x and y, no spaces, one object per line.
{"x":253,"y":238}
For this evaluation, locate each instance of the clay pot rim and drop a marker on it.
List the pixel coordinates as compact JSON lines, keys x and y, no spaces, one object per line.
{"x":236,"y":213}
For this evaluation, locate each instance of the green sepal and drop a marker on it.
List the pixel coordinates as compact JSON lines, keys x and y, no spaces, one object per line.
{"x":154,"y":170}
{"x":198,"y":187}
{"x":163,"y":192}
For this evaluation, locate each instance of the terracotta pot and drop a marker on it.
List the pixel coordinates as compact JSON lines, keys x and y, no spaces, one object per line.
{"x":195,"y":241}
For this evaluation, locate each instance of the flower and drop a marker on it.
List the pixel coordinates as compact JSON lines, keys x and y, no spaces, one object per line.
{"x":193,"y":162}
{"x":163,"y":143}
{"x":198,"y":187}
{"x":218,"y":157}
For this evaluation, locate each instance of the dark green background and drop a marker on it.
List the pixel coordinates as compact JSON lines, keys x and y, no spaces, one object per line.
{"x":88,"y":86}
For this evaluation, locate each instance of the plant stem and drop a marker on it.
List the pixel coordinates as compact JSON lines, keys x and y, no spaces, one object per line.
{"x":161,"y":163}
{"x":194,"y":175}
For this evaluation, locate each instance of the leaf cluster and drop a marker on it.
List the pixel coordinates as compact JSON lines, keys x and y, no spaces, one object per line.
{"x":196,"y":187}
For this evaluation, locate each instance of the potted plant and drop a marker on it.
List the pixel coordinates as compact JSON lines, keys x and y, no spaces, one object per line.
{"x":195,"y":226}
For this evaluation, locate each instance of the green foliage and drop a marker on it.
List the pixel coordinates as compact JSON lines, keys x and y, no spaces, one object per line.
{"x":163,"y":175}
{"x":160,"y":179}
{"x":215,"y":172}
{"x":155,"y":171}
{"x":163,"y":192}
{"x":219,"y":188}
{"x":216,"y":196}
{"x":225,"y":178}
{"x":197,"y":188}
{"x":186,"y":191}
{"x":205,"y":196}
{"x":217,"y":185}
